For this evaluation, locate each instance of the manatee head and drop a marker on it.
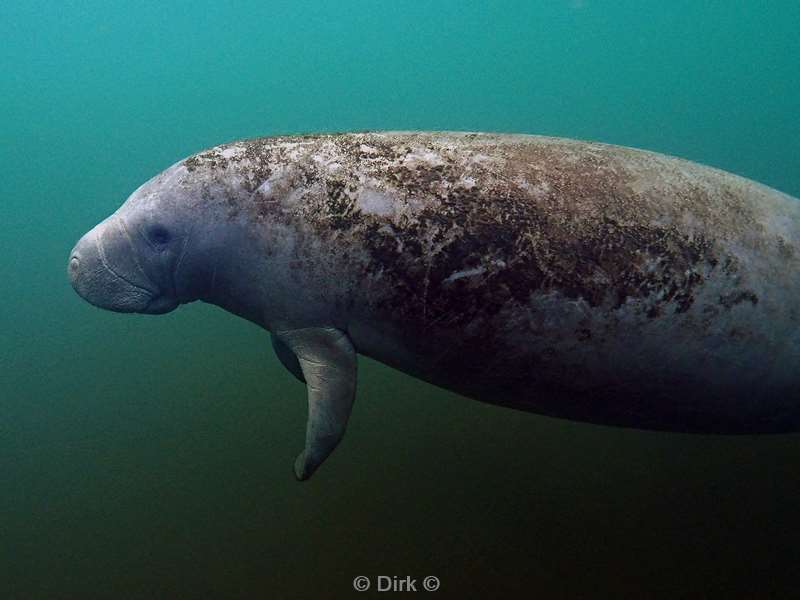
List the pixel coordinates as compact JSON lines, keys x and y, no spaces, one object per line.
{"x":159,"y":250}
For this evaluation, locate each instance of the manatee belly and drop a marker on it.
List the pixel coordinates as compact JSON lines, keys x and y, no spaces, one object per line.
{"x":660,"y":376}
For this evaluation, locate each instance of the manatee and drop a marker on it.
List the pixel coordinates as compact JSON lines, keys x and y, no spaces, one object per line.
{"x":567,"y":278}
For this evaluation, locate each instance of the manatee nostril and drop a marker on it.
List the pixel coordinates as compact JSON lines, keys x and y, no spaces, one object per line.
{"x":74,"y":266}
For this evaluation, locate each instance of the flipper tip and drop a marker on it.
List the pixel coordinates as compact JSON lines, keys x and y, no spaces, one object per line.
{"x":301,"y":469}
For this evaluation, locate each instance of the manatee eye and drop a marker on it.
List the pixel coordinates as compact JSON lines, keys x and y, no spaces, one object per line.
{"x":159,"y":235}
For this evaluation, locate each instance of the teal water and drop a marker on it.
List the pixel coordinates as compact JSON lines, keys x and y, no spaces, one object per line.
{"x":150,"y":457}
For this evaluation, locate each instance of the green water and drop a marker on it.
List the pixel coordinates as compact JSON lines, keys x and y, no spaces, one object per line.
{"x":150,"y":457}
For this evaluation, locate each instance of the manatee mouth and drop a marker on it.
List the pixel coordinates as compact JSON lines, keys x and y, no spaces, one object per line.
{"x":103,"y":284}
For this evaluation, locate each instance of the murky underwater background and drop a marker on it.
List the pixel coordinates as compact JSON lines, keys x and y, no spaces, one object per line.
{"x":150,"y":457}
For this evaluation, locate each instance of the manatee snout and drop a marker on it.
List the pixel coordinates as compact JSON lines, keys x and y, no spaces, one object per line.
{"x":104,"y":270}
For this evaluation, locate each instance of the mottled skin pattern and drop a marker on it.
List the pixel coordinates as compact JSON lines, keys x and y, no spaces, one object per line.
{"x":568,"y":278}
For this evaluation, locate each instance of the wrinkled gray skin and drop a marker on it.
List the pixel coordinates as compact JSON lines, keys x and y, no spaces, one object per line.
{"x":573,"y":279}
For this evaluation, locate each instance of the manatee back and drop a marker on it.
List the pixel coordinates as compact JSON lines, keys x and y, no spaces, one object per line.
{"x":572,"y":278}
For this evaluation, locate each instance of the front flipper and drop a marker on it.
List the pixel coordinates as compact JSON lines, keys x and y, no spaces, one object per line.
{"x":327,"y":360}
{"x":287,"y":358}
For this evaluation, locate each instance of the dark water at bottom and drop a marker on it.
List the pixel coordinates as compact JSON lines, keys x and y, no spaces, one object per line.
{"x":180,"y":485}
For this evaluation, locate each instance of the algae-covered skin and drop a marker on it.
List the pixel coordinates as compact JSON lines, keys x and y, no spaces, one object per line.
{"x":568,"y":278}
